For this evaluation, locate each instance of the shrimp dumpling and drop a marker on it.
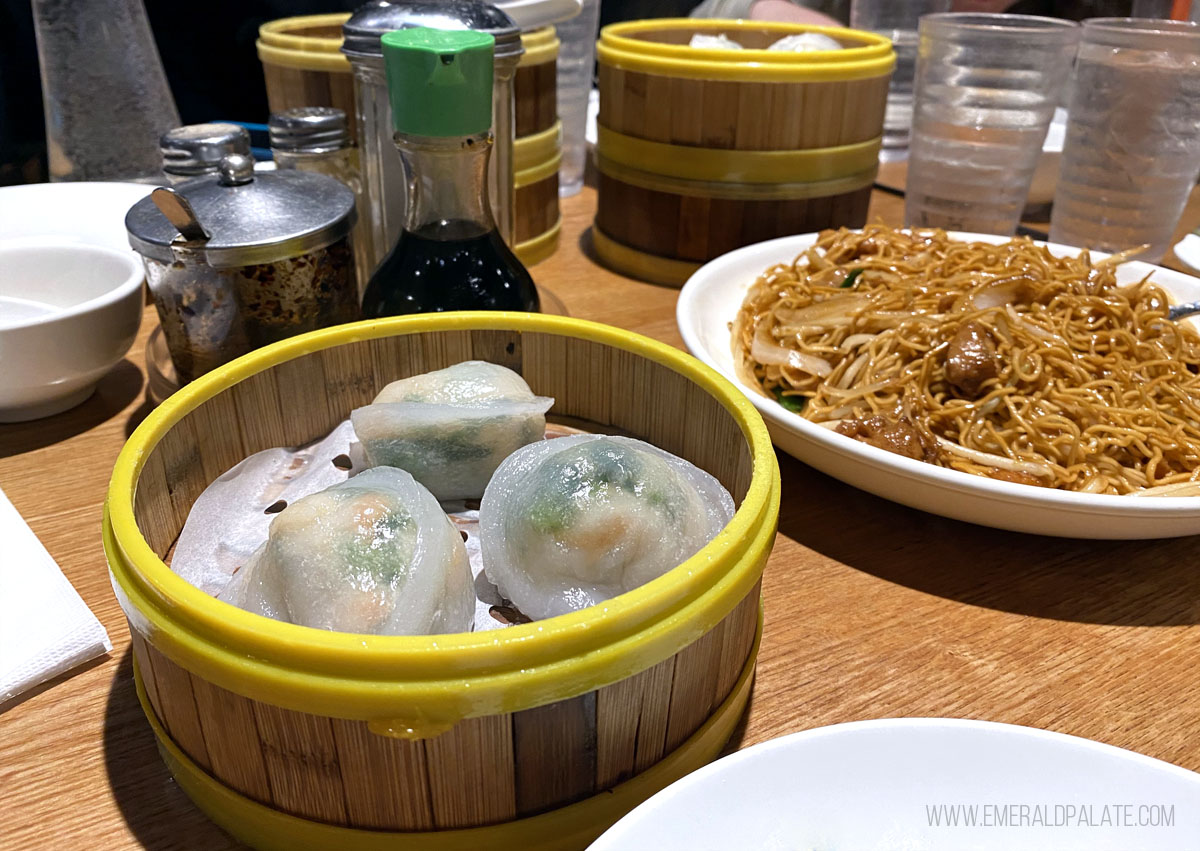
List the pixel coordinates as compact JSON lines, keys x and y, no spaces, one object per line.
{"x":452,"y":427}
{"x":374,"y":554}
{"x":570,"y":522}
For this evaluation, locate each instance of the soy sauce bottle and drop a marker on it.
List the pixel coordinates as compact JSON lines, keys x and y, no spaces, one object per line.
{"x":450,"y":255}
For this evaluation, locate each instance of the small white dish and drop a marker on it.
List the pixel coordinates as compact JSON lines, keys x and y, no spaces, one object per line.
{"x":1045,"y":176}
{"x":591,"y":131}
{"x":709,"y":301}
{"x":90,"y":212}
{"x":885,"y":785}
{"x":1187,"y":251}
{"x":68,"y":313}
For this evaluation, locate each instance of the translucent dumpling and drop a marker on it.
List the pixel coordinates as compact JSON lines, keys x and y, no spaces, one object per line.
{"x":806,"y":43}
{"x":571,"y":522}
{"x":708,"y":42}
{"x":373,"y":554}
{"x":451,"y":428}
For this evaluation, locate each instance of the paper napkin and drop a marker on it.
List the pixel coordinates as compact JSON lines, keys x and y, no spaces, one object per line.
{"x":45,"y":627}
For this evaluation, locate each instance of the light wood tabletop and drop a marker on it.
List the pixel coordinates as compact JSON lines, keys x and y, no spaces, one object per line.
{"x":873,"y":610}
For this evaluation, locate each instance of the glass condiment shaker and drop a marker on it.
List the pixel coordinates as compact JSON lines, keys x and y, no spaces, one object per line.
{"x":383,"y":176}
{"x":240,"y":259}
{"x":197,"y":149}
{"x":449,"y":255}
{"x":317,"y":139}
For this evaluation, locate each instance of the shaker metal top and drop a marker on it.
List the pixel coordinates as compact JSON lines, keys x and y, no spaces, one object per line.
{"x":368,"y":24}
{"x":270,"y":217}
{"x":309,"y":130}
{"x":197,"y":149}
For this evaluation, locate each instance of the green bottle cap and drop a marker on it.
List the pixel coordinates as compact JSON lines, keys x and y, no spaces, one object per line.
{"x":439,"y":81}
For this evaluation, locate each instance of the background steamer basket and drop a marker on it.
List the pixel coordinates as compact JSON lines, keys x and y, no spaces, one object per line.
{"x":701,"y":151}
{"x":536,"y":161}
{"x":541,"y":734}
{"x":537,"y":150}
{"x":535,"y":85}
{"x":303,"y":65}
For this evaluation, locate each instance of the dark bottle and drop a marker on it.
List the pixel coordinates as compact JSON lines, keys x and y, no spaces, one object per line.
{"x":450,"y":255}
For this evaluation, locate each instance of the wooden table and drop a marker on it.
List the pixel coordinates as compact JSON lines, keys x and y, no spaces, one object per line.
{"x":872,"y":610}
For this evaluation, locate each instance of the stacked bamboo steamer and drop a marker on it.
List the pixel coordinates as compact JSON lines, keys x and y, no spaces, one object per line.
{"x":538,"y":736}
{"x":537,"y":150}
{"x":701,"y":151}
{"x":303,"y":64}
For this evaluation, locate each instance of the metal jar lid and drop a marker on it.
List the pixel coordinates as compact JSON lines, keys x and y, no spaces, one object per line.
{"x":309,"y":130}
{"x":241,"y":217}
{"x":369,"y":22}
{"x":197,"y":149}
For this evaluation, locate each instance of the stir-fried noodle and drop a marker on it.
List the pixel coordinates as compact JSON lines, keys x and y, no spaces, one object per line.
{"x":999,"y":360}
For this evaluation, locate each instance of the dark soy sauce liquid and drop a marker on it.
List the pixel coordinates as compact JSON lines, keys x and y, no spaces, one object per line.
{"x":453,"y":265}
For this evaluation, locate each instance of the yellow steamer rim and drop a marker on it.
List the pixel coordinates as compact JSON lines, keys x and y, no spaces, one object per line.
{"x":540,"y":45}
{"x":619,"y":46}
{"x":419,"y":686}
{"x":726,"y":173}
{"x":733,"y":173}
{"x":641,"y":264}
{"x":538,"y":248}
{"x":279,"y":44}
{"x":537,"y":156}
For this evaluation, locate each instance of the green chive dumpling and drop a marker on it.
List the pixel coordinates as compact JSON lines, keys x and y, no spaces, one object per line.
{"x":374,"y":554}
{"x":452,"y":427}
{"x":573,"y":521}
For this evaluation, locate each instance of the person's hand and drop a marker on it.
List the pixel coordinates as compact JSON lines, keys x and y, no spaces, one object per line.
{"x":782,"y":10}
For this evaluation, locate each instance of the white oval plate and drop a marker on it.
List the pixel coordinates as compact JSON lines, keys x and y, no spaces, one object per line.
{"x":885,"y":784}
{"x":709,"y":301}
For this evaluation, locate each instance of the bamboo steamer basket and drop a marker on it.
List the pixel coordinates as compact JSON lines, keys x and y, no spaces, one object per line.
{"x":536,"y":160}
{"x":535,"y":86}
{"x":303,"y":64}
{"x":537,"y":150}
{"x":701,"y":151}
{"x":540,"y":735}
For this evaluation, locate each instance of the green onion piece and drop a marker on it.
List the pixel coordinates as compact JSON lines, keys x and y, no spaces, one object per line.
{"x":850,"y":279}
{"x":795,"y":404}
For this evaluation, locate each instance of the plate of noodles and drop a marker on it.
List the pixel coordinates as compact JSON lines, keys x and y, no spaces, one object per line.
{"x":1016,"y":384}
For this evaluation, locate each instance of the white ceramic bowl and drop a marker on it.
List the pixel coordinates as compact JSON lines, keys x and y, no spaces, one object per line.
{"x":883,"y":786}
{"x":68,"y":313}
{"x":91,"y":212}
{"x":709,"y":302}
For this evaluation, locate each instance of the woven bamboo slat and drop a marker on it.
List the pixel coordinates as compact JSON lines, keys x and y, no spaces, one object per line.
{"x":535,"y":98}
{"x":741,"y":115}
{"x":536,"y":207}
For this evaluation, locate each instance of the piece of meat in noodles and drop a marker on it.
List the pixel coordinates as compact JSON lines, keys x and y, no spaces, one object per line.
{"x":899,"y":436}
{"x":971,"y":359}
